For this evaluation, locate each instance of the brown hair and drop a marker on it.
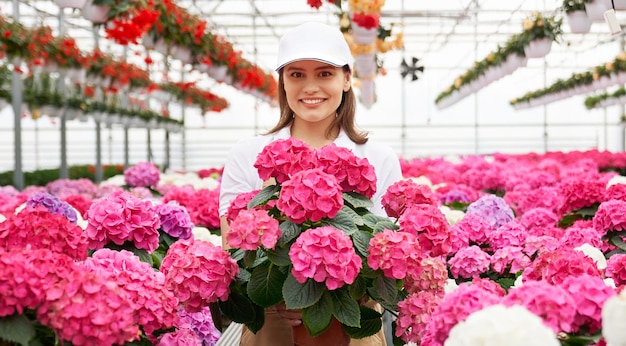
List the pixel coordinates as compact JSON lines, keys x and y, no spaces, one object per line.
{"x":345,"y":113}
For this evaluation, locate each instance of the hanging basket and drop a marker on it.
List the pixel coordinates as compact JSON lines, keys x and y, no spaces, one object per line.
{"x":148,"y":40}
{"x":218,"y":72}
{"x":182,"y":53}
{"x":595,"y":9}
{"x":538,"y":48}
{"x":334,"y":335}
{"x":95,"y":13}
{"x":578,"y":22}
{"x":70,"y":3}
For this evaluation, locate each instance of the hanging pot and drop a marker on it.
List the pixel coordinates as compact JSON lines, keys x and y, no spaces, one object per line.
{"x":97,"y":14}
{"x":182,"y":53}
{"x":365,"y":65}
{"x":334,"y":335}
{"x":148,"y":40}
{"x":362,"y":35}
{"x":70,"y":3}
{"x":218,"y":72}
{"x":538,"y":48}
{"x":578,"y":22}
{"x":595,"y":9}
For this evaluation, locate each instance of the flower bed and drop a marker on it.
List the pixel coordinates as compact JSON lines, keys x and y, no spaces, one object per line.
{"x":505,"y":246}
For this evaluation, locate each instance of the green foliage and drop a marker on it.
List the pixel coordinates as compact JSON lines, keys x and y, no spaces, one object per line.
{"x":42,"y":177}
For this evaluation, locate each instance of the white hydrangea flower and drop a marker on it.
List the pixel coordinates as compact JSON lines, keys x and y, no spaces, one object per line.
{"x":452,"y":215}
{"x":456,"y":159}
{"x":117,"y":180}
{"x":618,"y":179}
{"x":203,"y":234}
{"x":189,"y":178}
{"x":499,"y":325}
{"x":422,"y":180}
{"x":519,"y":281}
{"x":613,"y":317}
{"x":2,"y":218}
{"x":610,"y":282}
{"x":594,"y":253}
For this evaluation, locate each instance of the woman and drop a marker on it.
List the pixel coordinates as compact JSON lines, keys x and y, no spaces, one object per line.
{"x":317,"y":106}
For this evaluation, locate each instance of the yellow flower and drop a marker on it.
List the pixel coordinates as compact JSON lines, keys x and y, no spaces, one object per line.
{"x":490,"y":57}
{"x":345,"y":21}
{"x":539,"y":23}
{"x":621,"y":56}
{"x":356,"y":83}
{"x":596,"y":76}
{"x":528,"y":24}
{"x":457,"y":83}
{"x":609,"y":66}
{"x":35,"y":114}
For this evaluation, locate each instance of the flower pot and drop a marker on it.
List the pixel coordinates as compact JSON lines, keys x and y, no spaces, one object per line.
{"x":95,"y":13}
{"x":361,"y":35}
{"x":334,"y":335}
{"x":367,"y":93}
{"x":538,"y":48}
{"x":595,"y":10}
{"x":217,"y":72}
{"x":71,"y":113}
{"x":365,"y":65}
{"x":148,"y":40}
{"x":70,"y":3}
{"x":578,"y":22}
{"x":161,"y":47}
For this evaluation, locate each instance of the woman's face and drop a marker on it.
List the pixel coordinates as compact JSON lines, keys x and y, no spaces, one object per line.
{"x":314,"y":89}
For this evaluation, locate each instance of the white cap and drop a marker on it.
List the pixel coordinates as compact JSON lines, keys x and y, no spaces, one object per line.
{"x":314,"y":41}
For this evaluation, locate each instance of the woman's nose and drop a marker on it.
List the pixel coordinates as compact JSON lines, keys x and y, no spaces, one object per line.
{"x":311,"y":86}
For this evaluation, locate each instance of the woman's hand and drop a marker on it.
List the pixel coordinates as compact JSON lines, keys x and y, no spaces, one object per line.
{"x":291,"y":317}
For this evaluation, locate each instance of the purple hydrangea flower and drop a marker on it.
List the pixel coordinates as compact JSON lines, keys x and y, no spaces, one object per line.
{"x":493,"y":209}
{"x":201,"y":322}
{"x":175,"y":220}
{"x":53,"y":204}
{"x":142,"y":174}
{"x":455,"y":196}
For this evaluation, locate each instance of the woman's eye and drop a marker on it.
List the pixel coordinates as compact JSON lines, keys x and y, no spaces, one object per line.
{"x":325,"y":74}
{"x":297,"y":74}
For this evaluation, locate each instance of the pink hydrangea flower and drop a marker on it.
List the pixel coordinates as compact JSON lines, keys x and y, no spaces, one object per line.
{"x":121,"y":217}
{"x":615,"y":191}
{"x":538,"y":245}
{"x":142,"y":174}
{"x":310,"y":195}
{"x":9,"y":202}
{"x":579,"y":193}
{"x":611,"y":216}
{"x":403,"y":194}
{"x":493,"y":209}
{"x":155,"y":307}
{"x":202,"y":205}
{"x":78,"y":202}
{"x":475,"y":227}
{"x":283,"y":158}
{"x":548,"y":197}
{"x":67,"y":187}
{"x":455,"y":307}
{"x":432,"y":277}
{"x":511,"y":233}
{"x":253,"y":228}
{"x":589,"y":294}
{"x":555,"y":266}
{"x":509,"y":260}
{"x":431,"y":227}
{"x":26,"y":274}
{"x":469,"y":262}
{"x":87,"y":310}
{"x":451,"y":193}
{"x":174,"y":219}
{"x":180,"y":337}
{"x":550,"y":302}
{"x":40,"y":229}
{"x":325,"y":254}
{"x":354,"y":174}
{"x":239,"y":203}
{"x":539,"y":218}
{"x":616,"y":269}
{"x":397,"y":254}
{"x":576,"y":236}
{"x":414,"y":313}
{"x":198,"y":273}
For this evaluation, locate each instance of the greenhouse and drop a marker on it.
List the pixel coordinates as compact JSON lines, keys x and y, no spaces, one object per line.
{"x":312,"y":172}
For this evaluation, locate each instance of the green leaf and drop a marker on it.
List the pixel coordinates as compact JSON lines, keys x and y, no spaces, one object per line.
{"x":166,"y":239}
{"x":290,"y":232}
{"x":345,"y":309}
{"x":568,"y":220}
{"x":300,"y":296}
{"x":385,"y":292}
{"x":618,"y":242}
{"x":506,"y":283}
{"x":16,"y":328}
{"x":371,"y":323}
{"x":264,"y":287}
{"x":358,"y":288}
{"x":279,"y":256}
{"x":241,"y":309}
{"x":343,"y":221}
{"x":317,"y":318}
{"x":378,"y":223}
{"x":263,"y":196}
{"x":361,"y":242}
{"x":143,"y":255}
{"x":357,"y":200}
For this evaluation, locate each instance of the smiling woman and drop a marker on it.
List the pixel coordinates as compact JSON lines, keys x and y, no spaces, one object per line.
{"x":317,"y":107}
